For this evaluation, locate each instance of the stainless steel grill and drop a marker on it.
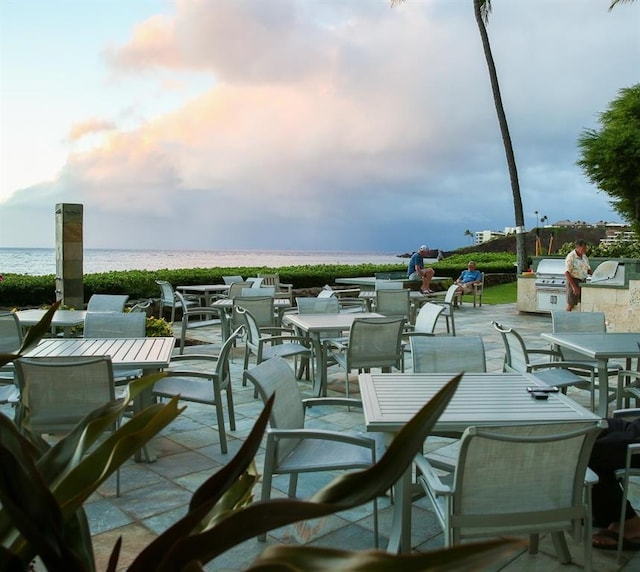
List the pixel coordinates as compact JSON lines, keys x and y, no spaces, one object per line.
{"x":551,"y":281}
{"x":550,"y":284}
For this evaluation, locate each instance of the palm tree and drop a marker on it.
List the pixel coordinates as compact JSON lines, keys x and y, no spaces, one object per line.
{"x":614,"y":2}
{"x":481,"y":9}
{"x":470,"y":235}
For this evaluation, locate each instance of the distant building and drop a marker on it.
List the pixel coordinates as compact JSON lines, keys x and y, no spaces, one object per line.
{"x":617,"y":232}
{"x":482,"y":236}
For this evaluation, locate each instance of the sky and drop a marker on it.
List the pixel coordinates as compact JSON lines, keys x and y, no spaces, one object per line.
{"x":315,"y":125}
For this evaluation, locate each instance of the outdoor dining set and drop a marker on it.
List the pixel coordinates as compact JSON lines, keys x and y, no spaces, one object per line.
{"x":382,"y":354}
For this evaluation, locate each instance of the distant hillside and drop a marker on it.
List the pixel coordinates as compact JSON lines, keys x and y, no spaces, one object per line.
{"x":564,"y":234}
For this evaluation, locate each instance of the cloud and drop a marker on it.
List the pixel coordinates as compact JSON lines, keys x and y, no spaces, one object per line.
{"x":344,"y":125}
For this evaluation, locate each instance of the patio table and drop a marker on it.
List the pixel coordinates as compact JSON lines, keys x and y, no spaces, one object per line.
{"x":600,"y":347}
{"x":391,"y":399}
{"x":312,"y":325}
{"x":65,"y":319}
{"x":205,"y":291}
{"x":148,"y":354}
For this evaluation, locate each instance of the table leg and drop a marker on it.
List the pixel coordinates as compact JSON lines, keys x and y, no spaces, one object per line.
{"x":603,"y":389}
{"x":400,"y":536}
{"x":320,"y":377}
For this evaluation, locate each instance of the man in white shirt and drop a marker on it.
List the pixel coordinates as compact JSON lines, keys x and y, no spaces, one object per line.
{"x":576,"y":270}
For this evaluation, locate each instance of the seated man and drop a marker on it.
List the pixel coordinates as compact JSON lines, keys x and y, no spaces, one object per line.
{"x":417,"y":271}
{"x":609,"y":454}
{"x":468,"y":278}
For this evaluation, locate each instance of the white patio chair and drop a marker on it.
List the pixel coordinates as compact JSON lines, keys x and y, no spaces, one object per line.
{"x":236,"y":288}
{"x":394,"y":302}
{"x":373,"y":342}
{"x":169,"y":298}
{"x":232,"y":279}
{"x":628,"y":387}
{"x":203,"y":383}
{"x":518,"y":480}
{"x":283,"y":290}
{"x":194,"y":316}
{"x":278,"y":342}
{"x":291,"y":447}
{"x":427,"y":318}
{"x":630,"y":470}
{"x":56,"y":393}
{"x":107,"y":302}
{"x":10,"y":341}
{"x":448,"y":354}
{"x":519,"y":358}
{"x":117,"y":325}
{"x":582,"y":322}
{"x":449,"y":303}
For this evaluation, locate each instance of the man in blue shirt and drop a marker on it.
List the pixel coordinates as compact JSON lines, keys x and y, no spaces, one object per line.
{"x":417,"y":271}
{"x":468,"y":278}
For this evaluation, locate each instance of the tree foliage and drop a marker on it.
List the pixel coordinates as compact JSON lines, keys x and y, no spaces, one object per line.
{"x":610,"y":156}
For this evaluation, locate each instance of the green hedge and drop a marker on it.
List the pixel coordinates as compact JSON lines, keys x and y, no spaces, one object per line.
{"x":19,"y":290}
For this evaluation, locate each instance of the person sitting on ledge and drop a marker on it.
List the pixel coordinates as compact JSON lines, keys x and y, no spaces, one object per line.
{"x":417,"y":271}
{"x":468,"y":278}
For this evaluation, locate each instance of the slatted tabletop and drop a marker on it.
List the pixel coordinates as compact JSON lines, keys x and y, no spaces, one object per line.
{"x":145,"y":353}
{"x":391,"y":399}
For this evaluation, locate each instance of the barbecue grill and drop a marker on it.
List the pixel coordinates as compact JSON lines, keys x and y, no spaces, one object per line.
{"x":551,"y":282}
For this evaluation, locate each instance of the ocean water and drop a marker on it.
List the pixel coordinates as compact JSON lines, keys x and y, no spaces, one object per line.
{"x":40,"y":261}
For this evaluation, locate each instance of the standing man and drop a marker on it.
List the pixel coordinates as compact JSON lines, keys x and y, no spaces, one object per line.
{"x":576,"y":269}
{"x":417,"y":271}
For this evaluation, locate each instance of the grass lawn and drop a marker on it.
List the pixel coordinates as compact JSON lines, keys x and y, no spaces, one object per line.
{"x":501,"y":294}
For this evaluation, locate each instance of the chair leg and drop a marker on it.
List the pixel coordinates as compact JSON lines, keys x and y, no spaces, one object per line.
{"x":232,"y":413}
{"x":560,"y":545}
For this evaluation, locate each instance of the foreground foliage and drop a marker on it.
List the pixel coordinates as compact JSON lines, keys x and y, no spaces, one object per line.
{"x":43,"y":488}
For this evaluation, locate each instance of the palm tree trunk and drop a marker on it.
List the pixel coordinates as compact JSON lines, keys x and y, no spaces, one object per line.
{"x":521,"y":248}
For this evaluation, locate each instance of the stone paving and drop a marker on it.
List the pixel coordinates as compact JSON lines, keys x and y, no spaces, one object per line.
{"x":155,"y":494}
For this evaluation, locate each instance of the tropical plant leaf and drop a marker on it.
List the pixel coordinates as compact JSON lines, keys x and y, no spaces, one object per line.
{"x":261,"y":517}
{"x":202,"y":502}
{"x":36,"y":332}
{"x":311,"y":559}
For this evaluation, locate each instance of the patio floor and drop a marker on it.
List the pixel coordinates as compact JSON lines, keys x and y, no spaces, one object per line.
{"x":154,"y":495}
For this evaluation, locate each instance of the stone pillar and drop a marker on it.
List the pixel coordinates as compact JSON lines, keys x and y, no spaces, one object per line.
{"x":69,"y":252}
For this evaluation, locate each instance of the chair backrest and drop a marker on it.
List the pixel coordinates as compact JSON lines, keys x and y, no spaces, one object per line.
{"x":427,"y":318}
{"x":578,"y":323}
{"x":167,"y":293}
{"x":115,"y":325}
{"x":223,"y":370}
{"x":520,"y":477}
{"x":261,"y":308}
{"x":516,"y":357}
{"x":141,"y":306}
{"x":255,"y":282}
{"x":393,"y":302}
{"x":448,"y":354}
{"x":10,"y":333}
{"x":326,"y":293}
{"x":258,"y":291}
{"x":56,"y":393}
{"x":275,"y":376}
{"x":107,"y":302}
{"x":270,"y":280}
{"x":375,"y":342}
{"x":236,"y":288}
{"x":232,"y":279}
{"x":252,"y":331}
{"x":451,"y":292}
{"x":318,"y":305}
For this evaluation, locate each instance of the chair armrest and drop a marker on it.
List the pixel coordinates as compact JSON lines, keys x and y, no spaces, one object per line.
{"x":286,"y":286}
{"x":187,"y":373}
{"x":321,"y":401}
{"x":335,"y":344}
{"x":631,"y":413}
{"x":559,"y":364}
{"x":430,"y":478}
{"x":590,"y":478}
{"x":275,"y":330}
{"x":194,"y":357}
{"x":324,"y":434}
